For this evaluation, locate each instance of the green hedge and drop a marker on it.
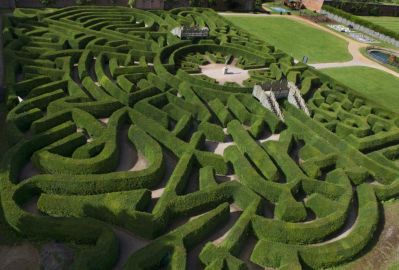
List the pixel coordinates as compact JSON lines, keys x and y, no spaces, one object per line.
{"x":288,"y":209}
{"x":302,"y":233}
{"x":220,"y":111}
{"x":344,"y":249}
{"x":249,"y":147}
{"x":212,"y":132}
{"x":250,"y":178}
{"x":98,"y":238}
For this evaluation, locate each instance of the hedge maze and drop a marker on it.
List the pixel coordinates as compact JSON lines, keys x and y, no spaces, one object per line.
{"x":221,"y":181}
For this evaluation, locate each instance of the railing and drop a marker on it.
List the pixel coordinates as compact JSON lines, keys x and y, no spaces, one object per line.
{"x":275,"y":106}
{"x":295,"y":98}
{"x":361,"y":28}
{"x":268,"y":100}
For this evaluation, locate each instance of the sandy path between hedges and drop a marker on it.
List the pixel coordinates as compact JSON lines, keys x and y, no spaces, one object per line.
{"x":385,"y":246}
{"x":129,"y":243}
{"x":218,"y":148}
{"x":129,"y":158}
{"x":353,"y":46}
{"x":23,"y":256}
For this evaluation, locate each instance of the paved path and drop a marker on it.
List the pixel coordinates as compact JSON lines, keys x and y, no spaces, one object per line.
{"x":353,"y":46}
{"x":354,"y":49}
{"x":217,"y":72}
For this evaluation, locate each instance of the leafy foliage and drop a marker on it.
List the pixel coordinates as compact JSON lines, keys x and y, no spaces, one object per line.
{"x":88,"y":87}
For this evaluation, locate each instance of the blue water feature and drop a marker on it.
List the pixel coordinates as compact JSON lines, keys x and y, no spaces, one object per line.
{"x":279,"y":9}
{"x":380,"y":56}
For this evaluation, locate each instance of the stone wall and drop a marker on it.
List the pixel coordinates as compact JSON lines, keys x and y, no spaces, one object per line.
{"x":361,"y":28}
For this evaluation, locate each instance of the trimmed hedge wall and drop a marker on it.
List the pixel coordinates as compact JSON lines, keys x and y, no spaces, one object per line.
{"x":210,"y":166}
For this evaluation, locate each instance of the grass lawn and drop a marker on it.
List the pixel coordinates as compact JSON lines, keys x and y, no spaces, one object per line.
{"x":296,"y":38}
{"x":391,"y":23}
{"x":375,"y":84}
{"x":365,"y":53}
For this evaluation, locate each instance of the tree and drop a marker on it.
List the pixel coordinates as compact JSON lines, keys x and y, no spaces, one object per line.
{"x":47,"y":2}
{"x":211,"y":3}
{"x":194,"y":3}
{"x":258,"y":5}
{"x":131,"y":3}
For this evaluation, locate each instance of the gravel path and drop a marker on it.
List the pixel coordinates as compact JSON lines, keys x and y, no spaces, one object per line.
{"x":21,"y":256}
{"x":128,"y":244}
{"x":216,"y":71}
{"x":28,"y":170}
{"x":129,"y":158}
{"x":234,"y":73}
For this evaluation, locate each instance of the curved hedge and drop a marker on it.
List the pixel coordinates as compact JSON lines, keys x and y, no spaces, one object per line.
{"x":205,"y":168}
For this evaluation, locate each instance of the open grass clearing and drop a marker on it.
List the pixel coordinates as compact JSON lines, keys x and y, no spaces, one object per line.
{"x":296,"y":38}
{"x":391,"y":23}
{"x":377,"y":85}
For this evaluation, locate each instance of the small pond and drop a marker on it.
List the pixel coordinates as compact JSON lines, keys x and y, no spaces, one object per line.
{"x":279,"y":9}
{"x":382,"y":56}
